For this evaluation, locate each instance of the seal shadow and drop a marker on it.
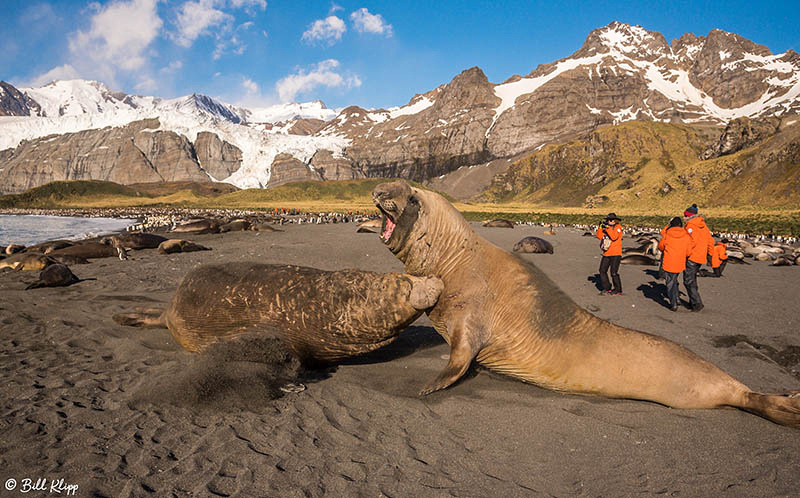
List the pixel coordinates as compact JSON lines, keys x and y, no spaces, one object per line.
{"x":414,"y":338}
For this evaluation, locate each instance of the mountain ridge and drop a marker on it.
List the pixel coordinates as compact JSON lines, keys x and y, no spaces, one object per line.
{"x":620,"y":73}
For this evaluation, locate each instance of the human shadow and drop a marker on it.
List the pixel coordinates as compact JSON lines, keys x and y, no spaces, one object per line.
{"x":655,"y":274}
{"x":655,"y":291}
{"x":595,"y":279}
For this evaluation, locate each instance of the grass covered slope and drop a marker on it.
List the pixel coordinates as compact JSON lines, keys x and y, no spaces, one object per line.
{"x":655,"y":167}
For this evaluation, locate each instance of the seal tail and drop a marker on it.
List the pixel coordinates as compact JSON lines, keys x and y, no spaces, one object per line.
{"x":144,"y":317}
{"x":782,"y":409}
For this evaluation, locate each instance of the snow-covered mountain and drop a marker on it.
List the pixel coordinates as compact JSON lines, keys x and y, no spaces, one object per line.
{"x":621,"y":73}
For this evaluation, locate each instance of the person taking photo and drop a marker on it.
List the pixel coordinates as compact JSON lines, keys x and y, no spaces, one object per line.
{"x":610,"y":235}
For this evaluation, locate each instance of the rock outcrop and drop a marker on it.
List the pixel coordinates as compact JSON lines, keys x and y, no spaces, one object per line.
{"x":740,"y":134}
{"x":136,"y":153}
{"x":286,"y":169}
{"x":15,"y":103}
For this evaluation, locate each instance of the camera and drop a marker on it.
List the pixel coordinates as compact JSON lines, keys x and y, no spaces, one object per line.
{"x":604,"y":224}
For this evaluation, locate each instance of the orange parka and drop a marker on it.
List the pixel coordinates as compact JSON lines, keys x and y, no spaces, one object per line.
{"x":614,"y":233}
{"x":703,"y":241}
{"x":677,"y":245}
{"x":719,"y":255}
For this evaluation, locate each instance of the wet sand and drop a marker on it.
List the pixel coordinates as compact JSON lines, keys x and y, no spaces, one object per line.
{"x":121,"y":411}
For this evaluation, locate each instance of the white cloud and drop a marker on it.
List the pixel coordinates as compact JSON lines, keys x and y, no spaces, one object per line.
{"x":119,"y":36}
{"x":65,"y":72}
{"x":238,"y":4}
{"x":250,"y":86}
{"x":364,"y":22}
{"x":322,"y":74}
{"x":172,"y":67}
{"x":197,"y":18}
{"x":329,"y":30}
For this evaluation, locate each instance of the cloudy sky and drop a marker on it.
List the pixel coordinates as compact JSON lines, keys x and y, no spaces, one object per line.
{"x":367,"y":53}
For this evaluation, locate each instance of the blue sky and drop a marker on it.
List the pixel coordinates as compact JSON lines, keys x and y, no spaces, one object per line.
{"x":367,"y":53}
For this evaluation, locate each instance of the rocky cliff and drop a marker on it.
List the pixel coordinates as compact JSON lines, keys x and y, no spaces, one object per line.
{"x":136,"y":153}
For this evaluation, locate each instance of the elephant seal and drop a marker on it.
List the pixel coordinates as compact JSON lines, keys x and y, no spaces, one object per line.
{"x":364,"y":230}
{"x":263,"y":227}
{"x":534,"y":245}
{"x":783,"y":261}
{"x":638,"y":259}
{"x":14,"y":248}
{"x":376,"y":224}
{"x":68,"y":259}
{"x":88,"y":250}
{"x":198,"y":226}
{"x":54,"y":275}
{"x":235,"y":226}
{"x":134,"y":240}
{"x":49,"y":246}
{"x":171,"y":246}
{"x":499,"y":223}
{"x":24,"y":261}
{"x":509,"y":316}
{"x":321,"y":316}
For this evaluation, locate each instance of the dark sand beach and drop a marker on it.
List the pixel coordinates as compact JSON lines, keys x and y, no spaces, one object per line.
{"x":121,"y":411}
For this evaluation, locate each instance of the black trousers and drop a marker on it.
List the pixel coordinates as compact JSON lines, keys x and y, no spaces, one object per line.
{"x":612,"y":263}
{"x":672,"y":288}
{"x":690,"y":281}
{"x":718,"y":270}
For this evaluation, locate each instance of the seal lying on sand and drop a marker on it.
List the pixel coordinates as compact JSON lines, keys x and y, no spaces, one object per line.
{"x":510,"y":317}
{"x":322,"y":316}
{"x":499,"y":223}
{"x":134,"y":240}
{"x":534,"y":245}
{"x":54,"y":275}
{"x":171,"y":246}
{"x":24,"y":261}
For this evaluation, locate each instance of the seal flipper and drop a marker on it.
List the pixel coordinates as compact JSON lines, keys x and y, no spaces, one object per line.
{"x":464,"y":347}
{"x":144,"y":317}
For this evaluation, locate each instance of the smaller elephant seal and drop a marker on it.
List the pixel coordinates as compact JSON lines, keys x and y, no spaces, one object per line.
{"x":49,"y":246}
{"x":499,"y":223}
{"x":25,"y":261}
{"x":171,"y":246}
{"x":235,"y":226}
{"x":134,"y":240}
{"x":54,"y":275}
{"x":197,"y":227}
{"x":321,"y":316}
{"x":534,"y":245}
{"x":783,"y":261}
{"x":376,"y":224}
{"x":88,"y":250}
{"x":263,"y":227}
{"x":14,"y":248}
{"x":68,"y":259}
{"x":638,"y":259}
{"x":364,"y":230}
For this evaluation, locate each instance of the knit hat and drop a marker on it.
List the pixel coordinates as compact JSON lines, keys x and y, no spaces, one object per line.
{"x":690,"y":211}
{"x":675,"y":222}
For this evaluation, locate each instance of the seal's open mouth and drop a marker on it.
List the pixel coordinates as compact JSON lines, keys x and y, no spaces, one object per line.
{"x":388,"y":228}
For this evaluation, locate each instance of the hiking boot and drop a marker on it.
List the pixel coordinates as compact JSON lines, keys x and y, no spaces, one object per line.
{"x":698,"y":307}
{"x":605,"y":292}
{"x":674,"y":308}
{"x":615,"y":292}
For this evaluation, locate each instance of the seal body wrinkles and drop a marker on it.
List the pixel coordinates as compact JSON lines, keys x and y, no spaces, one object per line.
{"x":507,"y":315}
{"x":321,"y":316}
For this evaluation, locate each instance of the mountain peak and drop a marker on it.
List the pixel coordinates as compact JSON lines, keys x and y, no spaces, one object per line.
{"x":626,"y":39}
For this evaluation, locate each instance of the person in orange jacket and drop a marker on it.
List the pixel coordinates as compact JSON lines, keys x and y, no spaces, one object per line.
{"x":611,"y":229}
{"x":696,"y":227}
{"x":676,"y":245}
{"x":718,"y":258}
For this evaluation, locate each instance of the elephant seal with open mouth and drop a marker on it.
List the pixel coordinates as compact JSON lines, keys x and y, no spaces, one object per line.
{"x":509,"y":316}
{"x":322,"y":316}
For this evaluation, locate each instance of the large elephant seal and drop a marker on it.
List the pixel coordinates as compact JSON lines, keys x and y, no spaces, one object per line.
{"x":510,"y":317}
{"x":322,"y":316}
{"x":26,"y":262}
